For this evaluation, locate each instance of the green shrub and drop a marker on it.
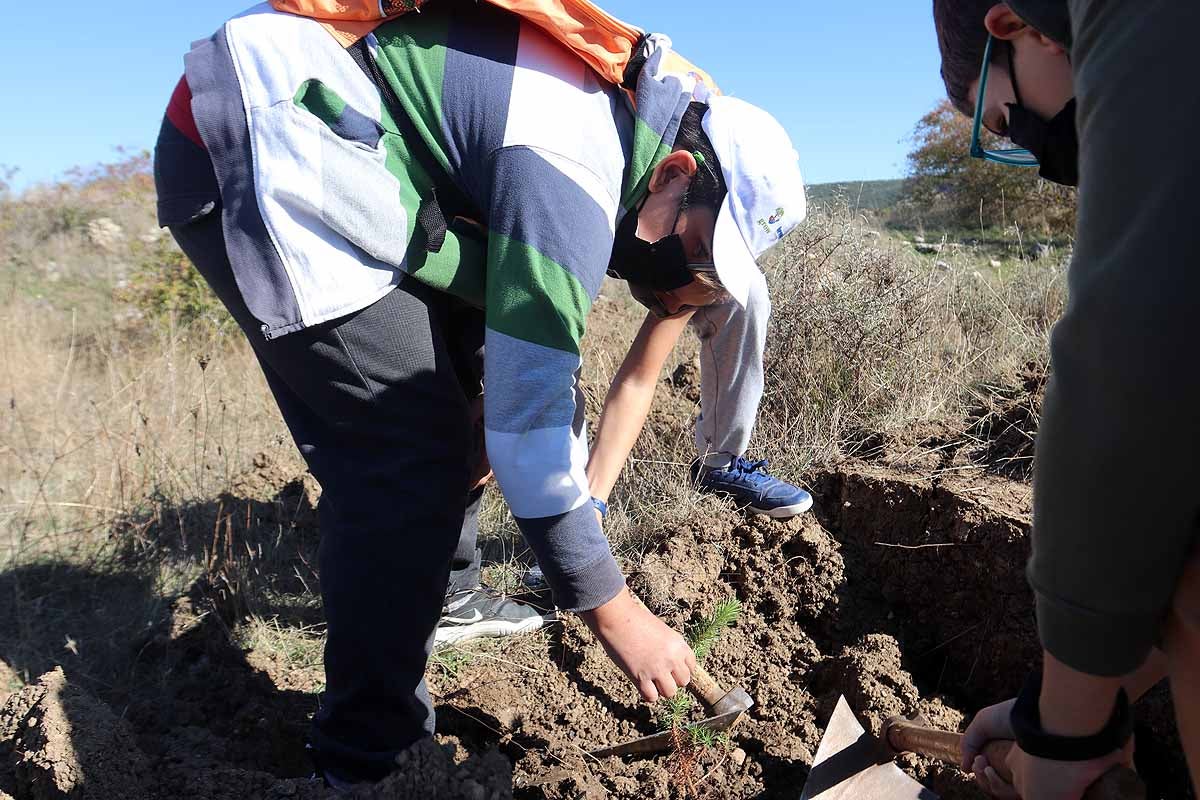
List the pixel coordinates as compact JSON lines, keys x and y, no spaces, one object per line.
{"x":166,"y":288}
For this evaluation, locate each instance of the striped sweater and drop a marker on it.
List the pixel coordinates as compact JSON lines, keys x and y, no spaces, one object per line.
{"x":549,"y":155}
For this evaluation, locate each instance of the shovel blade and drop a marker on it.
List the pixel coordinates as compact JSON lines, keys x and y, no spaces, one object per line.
{"x":852,"y":764}
{"x":662,"y":741}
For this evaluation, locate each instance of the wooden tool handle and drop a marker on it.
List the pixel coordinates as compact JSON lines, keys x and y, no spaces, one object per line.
{"x":906,"y":737}
{"x":704,"y":687}
{"x":1119,"y":783}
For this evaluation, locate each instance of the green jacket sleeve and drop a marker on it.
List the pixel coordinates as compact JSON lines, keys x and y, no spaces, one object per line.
{"x":1117,"y":478}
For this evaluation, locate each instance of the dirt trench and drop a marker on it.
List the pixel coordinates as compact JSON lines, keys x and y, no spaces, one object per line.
{"x":899,"y":592}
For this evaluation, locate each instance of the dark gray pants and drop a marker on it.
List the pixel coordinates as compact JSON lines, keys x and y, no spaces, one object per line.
{"x":377,"y":402}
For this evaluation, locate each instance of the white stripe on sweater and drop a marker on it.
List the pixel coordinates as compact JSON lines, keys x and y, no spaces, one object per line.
{"x":558,"y":106}
{"x":540,"y":475}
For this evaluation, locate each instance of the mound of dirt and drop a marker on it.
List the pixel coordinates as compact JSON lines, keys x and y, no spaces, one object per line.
{"x":686,"y":379}
{"x":429,"y":769}
{"x":58,"y":742}
{"x":869,"y":675}
{"x":551,"y":708}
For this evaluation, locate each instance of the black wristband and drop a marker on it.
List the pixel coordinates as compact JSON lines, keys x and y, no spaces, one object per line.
{"x":1026,"y":719}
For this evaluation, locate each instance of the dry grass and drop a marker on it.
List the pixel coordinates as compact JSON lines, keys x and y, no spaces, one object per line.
{"x":870,"y":338}
{"x":123,"y":434}
{"x":107,"y":420}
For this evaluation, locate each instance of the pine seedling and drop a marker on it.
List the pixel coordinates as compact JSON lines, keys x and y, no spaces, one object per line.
{"x":688,"y":741}
{"x":705,"y":633}
{"x":673,"y":712}
{"x":701,"y":736}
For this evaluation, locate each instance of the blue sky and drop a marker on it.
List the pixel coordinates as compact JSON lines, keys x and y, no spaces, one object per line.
{"x":847,"y":80}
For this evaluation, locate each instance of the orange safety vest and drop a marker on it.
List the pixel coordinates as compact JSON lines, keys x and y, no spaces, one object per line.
{"x":605,"y":43}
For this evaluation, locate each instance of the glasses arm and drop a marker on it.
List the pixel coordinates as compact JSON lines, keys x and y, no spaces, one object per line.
{"x":980,"y":96}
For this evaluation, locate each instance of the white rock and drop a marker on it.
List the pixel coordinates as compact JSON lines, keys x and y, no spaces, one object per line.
{"x":104,"y":233}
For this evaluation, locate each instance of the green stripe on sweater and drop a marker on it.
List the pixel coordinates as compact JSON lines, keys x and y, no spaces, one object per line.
{"x":412,"y":59}
{"x":530,"y":297}
{"x":320,"y":101}
{"x":648,"y":149}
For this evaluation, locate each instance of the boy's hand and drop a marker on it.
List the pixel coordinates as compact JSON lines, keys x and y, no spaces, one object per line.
{"x":655,"y":657}
{"x":990,"y":723}
{"x":1025,"y":776}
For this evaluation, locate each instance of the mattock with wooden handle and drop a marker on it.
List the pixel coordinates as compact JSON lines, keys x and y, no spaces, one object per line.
{"x":905,"y":736}
{"x":725,"y":709}
{"x":852,"y":764}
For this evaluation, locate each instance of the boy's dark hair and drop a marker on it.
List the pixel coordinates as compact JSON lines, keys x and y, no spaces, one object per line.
{"x":708,"y":185}
{"x":962,"y":39}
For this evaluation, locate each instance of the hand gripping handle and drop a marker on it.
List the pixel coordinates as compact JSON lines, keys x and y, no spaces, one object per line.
{"x":1119,"y":783}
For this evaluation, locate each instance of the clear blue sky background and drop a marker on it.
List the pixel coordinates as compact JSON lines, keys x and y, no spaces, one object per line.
{"x":847,"y":80}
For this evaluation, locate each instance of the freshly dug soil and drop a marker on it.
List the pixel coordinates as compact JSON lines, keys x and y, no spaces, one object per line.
{"x":42,"y":759}
{"x":793,"y":650}
{"x":900,"y":593}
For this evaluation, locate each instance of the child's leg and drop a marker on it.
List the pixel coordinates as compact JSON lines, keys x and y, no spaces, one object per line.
{"x":382,"y":424}
{"x":732,"y":342}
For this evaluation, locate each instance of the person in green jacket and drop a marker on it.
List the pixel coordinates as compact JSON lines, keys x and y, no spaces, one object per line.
{"x":1090,"y":92}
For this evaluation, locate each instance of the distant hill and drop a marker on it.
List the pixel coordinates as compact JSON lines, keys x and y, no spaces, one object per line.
{"x":872,"y":195}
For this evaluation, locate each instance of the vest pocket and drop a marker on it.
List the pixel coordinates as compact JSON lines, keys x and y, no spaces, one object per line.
{"x":319,"y":179}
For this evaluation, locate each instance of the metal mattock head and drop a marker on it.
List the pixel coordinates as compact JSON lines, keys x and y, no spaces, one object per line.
{"x":852,"y":765}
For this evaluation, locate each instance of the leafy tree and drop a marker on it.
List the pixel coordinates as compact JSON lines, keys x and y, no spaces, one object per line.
{"x":946,"y":186}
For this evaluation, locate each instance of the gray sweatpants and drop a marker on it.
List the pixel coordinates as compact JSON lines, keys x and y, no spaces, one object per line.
{"x":732,"y":343}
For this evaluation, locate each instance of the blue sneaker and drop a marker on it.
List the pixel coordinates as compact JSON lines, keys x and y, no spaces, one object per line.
{"x":752,"y":487}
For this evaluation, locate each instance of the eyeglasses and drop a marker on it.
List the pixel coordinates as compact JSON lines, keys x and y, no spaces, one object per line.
{"x":1015,"y":156}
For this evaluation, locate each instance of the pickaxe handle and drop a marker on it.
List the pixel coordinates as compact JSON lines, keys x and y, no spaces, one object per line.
{"x":706,"y":690}
{"x":1119,"y":783}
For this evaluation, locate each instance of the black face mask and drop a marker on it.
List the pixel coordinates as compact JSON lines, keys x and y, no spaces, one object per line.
{"x":648,"y":266}
{"x":1054,"y":143}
